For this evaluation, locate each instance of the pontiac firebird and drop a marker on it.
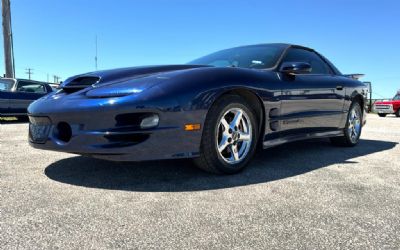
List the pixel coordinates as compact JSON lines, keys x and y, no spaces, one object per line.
{"x":216,"y":109}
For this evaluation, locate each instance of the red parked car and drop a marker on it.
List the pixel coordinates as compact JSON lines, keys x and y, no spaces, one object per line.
{"x":388,"y":107}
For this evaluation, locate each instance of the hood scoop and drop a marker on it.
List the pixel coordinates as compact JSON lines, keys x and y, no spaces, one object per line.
{"x":79,"y":83}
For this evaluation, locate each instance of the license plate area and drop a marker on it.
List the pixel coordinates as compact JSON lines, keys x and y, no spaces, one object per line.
{"x":39,"y":128}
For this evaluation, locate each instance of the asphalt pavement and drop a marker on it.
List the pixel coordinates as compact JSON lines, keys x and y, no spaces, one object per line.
{"x":304,"y":195}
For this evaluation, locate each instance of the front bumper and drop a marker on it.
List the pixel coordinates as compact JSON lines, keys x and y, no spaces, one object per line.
{"x":99,"y":131}
{"x":384,"y":109}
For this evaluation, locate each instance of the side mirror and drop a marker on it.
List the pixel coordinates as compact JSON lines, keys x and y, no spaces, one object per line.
{"x":293,"y":68}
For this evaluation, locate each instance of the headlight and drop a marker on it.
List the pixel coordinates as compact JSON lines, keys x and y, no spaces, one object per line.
{"x":112,"y":91}
{"x":115,"y":90}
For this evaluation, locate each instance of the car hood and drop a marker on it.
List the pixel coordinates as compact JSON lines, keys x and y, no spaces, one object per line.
{"x":126,"y":81}
{"x":387,"y":102}
{"x":114,"y":76}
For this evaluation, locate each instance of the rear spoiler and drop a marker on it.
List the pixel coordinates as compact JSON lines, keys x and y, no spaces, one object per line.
{"x":354,"y":76}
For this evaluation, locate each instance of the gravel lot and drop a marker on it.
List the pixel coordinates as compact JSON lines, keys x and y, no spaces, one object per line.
{"x":305,"y":195}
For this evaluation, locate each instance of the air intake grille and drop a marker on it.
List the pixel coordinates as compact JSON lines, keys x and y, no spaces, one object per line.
{"x":80,"y":83}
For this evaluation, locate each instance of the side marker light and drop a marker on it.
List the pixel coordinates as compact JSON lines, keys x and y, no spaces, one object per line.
{"x":192,"y":127}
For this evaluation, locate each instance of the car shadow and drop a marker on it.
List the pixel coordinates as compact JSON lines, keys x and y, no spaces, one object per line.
{"x":181,"y":175}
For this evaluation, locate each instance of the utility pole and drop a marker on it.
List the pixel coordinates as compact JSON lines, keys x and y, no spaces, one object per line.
{"x":7,"y":36}
{"x":56,"y":79}
{"x":29,"y":72}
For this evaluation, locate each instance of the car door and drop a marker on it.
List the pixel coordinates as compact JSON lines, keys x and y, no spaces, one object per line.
{"x":24,"y":94}
{"x":312,"y":101}
{"x":4,"y":102}
{"x":6,"y":85}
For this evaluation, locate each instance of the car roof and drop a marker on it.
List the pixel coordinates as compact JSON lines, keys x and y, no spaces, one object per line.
{"x":32,"y":81}
{"x":281,"y":45}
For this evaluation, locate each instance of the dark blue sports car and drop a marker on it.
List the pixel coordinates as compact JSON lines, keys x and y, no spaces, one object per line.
{"x":216,"y":109}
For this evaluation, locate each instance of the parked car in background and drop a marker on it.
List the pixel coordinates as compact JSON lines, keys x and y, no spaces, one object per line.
{"x":388,"y":107}
{"x":17,"y":94}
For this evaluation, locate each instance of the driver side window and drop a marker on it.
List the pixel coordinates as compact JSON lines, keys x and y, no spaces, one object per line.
{"x":31,"y":87}
{"x":301,"y":55}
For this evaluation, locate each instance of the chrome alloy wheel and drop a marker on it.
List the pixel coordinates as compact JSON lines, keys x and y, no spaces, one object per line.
{"x":354,"y":128}
{"x":234,"y":135}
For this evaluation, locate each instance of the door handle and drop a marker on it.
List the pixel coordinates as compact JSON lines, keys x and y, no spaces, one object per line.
{"x":339,"y":87}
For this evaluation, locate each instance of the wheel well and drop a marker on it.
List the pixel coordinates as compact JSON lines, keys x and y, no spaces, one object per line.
{"x":358,"y":98}
{"x":254,"y":101}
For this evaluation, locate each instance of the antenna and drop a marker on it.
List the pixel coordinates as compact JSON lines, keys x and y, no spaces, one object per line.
{"x":95,"y":58}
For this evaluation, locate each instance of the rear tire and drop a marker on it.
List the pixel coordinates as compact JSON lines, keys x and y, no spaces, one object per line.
{"x":353,"y":128}
{"x":382,"y":115}
{"x":229,"y":136}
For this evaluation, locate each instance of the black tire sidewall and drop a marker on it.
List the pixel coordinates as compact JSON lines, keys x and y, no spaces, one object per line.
{"x":212,"y":123}
{"x":354,"y":105}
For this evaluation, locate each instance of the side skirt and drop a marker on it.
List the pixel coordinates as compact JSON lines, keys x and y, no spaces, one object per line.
{"x":304,"y":136}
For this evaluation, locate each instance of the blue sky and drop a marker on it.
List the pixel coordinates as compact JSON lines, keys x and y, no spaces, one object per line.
{"x":58,"y":37}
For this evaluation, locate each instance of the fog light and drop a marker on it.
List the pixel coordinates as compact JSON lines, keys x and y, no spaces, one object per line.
{"x":63,"y":132}
{"x":150,"y":122}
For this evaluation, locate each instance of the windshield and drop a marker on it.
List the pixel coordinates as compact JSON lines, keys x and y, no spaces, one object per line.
{"x":396,"y":97}
{"x":252,"y":57}
{"x":6,"y":85}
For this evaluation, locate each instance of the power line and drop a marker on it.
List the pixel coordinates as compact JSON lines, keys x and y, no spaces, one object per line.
{"x":29,"y":72}
{"x":378,"y":94}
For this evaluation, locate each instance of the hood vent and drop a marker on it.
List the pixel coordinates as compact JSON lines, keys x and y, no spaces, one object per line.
{"x":79,"y":83}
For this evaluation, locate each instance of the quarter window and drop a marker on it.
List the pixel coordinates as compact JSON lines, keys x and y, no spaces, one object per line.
{"x":301,"y":55}
{"x":6,"y":85}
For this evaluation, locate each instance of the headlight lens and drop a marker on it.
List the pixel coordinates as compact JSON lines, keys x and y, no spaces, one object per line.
{"x":112,"y":91}
{"x":116,"y":89}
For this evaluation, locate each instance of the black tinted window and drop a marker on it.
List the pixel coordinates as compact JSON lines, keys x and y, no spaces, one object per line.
{"x":300,"y":55}
{"x":32,"y":87}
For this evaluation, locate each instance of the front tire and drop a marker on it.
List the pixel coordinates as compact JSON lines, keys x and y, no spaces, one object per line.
{"x":229,"y":136}
{"x":353,"y":128}
{"x":382,"y":115}
{"x":397,"y":113}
